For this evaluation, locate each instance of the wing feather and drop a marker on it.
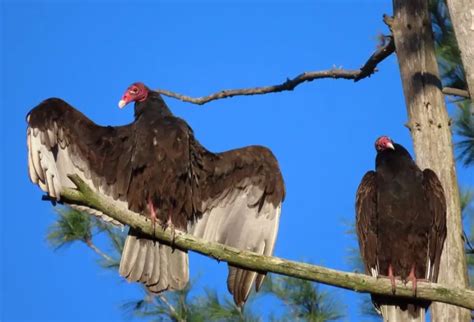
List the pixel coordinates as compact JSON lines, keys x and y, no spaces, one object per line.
{"x":62,"y":141}
{"x":366,"y":224}
{"x":241,"y":193}
{"x":434,"y":193}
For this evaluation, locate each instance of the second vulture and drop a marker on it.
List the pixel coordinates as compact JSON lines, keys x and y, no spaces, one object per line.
{"x":155,"y":167}
{"x":401,"y":226}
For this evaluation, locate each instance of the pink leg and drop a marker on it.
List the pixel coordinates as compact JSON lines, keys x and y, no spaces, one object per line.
{"x":412,"y":278}
{"x":151,"y":208}
{"x":391,"y":277}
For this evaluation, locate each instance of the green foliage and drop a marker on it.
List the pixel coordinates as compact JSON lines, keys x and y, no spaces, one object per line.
{"x":466,"y":197}
{"x":180,"y":306}
{"x":116,"y":238}
{"x":304,"y":301}
{"x":71,"y":226}
{"x":467,"y":202}
{"x":217,"y":309}
{"x":354,"y":259}
{"x":301,"y":301}
{"x":447,"y":51}
{"x":464,"y":128}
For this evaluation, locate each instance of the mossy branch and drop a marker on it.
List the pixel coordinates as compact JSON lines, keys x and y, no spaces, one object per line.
{"x":83,"y":195}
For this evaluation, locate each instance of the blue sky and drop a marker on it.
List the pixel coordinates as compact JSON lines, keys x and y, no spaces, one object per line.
{"x":88,"y":53}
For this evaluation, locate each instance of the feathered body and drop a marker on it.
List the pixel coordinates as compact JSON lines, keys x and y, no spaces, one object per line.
{"x":157,"y":168}
{"x":401,"y":225}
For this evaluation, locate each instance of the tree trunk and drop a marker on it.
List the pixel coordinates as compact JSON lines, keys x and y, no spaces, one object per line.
{"x":462,"y":17}
{"x":429,"y":124}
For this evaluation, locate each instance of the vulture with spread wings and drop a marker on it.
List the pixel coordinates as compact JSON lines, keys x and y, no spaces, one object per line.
{"x":155,"y":167}
{"x":401,"y":226}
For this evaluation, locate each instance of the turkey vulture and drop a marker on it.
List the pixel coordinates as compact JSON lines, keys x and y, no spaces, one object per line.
{"x":401,"y":226}
{"x":155,"y":167}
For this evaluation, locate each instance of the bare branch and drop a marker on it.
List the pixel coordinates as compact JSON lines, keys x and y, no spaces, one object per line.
{"x":288,"y":85}
{"x":369,"y":68}
{"x":455,"y":92}
{"x":365,"y":71}
{"x":352,"y":281}
{"x":380,"y":54}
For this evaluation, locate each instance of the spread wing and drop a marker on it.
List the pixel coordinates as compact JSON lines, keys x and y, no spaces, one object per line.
{"x":241,"y":193}
{"x":366,"y":221}
{"x":437,"y":203}
{"x":62,"y":141}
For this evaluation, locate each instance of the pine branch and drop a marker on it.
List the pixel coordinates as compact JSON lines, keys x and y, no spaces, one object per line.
{"x":351,"y":281}
{"x":97,"y":250}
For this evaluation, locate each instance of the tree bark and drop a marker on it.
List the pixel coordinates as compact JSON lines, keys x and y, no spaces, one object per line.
{"x":245,"y":259}
{"x":429,"y":125}
{"x":462,"y":17}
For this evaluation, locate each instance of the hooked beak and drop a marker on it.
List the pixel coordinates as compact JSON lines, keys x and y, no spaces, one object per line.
{"x":122,"y":103}
{"x":126,"y":98}
{"x":390,"y":145}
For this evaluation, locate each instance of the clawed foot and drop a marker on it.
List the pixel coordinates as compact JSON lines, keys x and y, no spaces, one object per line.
{"x":169,"y":225}
{"x":173,"y":232}
{"x":164,"y":225}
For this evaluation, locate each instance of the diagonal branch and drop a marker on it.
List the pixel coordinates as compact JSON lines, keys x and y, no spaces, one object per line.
{"x":380,"y":54}
{"x":97,"y":250}
{"x":351,"y":281}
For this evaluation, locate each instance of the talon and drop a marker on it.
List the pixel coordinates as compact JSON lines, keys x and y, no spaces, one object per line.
{"x":170,"y":225}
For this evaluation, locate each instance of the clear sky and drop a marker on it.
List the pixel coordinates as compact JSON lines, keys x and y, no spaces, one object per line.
{"x":88,"y":52}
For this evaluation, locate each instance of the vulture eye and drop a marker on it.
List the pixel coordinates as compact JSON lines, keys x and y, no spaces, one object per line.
{"x":134,"y":90}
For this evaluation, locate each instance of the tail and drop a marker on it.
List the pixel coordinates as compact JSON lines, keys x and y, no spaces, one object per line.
{"x":412,"y":313}
{"x":158,"y":266}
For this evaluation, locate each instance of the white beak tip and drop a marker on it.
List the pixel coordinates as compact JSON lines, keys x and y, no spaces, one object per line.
{"x":390,"y":145}
{"x":121,"y":104}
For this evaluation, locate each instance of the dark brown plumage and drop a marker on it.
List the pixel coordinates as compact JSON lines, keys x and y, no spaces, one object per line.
{"x":156,"y":167}
{"x":401,"y":225}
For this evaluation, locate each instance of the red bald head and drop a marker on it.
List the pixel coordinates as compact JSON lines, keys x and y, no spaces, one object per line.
{"x":384,"y":143}
{"x":137,"y":92}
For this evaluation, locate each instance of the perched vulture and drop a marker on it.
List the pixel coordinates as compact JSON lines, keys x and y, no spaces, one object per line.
{"x":401,"y":226}
{"x":155,"y":167}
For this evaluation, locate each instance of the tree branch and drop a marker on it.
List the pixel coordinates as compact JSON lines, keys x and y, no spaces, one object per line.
{"x":97,"y":250}
{"x":288,"y":85}
{"x":455,"y":92}
{"x":369,"y":68}
{"x":365,"y":71}
{"x":351,"y":281}
{"x":380,"y":54}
